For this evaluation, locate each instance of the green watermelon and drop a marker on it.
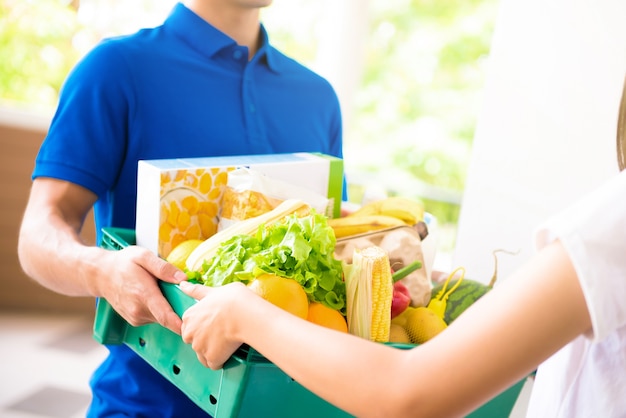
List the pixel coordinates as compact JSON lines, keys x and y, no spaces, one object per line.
{"x":468,"y":292}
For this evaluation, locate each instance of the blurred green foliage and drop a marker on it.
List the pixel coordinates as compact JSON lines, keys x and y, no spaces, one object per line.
{"x":421,"y":94}
{"x":36,"y":50}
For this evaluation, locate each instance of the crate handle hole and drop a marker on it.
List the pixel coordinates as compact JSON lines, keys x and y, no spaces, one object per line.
{"x":142,"y":342}
{"x":176,"y":369}
{"x":212,"y":399}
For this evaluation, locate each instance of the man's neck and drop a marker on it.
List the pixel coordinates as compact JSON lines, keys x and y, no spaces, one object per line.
{"x":241,"y":24}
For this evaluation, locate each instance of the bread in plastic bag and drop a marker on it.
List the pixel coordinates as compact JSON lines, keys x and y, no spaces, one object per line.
{"x":250,"y":193}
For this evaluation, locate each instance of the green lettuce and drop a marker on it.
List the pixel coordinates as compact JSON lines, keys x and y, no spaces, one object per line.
{"x":299,"y":248}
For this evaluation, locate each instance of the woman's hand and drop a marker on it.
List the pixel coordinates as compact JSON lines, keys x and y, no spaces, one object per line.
{"x":211,"y":326}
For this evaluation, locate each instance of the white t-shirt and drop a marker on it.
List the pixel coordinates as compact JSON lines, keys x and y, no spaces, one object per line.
{"x":587,"y":378}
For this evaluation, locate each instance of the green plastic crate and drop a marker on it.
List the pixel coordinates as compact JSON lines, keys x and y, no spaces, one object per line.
{"x":248,"y":385}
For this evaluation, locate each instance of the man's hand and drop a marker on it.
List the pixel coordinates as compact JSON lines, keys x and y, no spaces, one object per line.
{"x":131,"y":287}
{"x":51,"y":251}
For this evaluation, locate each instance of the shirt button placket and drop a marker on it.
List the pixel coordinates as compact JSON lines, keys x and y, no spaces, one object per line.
{"x":250,"y":106}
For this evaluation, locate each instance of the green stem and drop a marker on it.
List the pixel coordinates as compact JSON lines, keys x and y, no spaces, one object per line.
{"x":406,"y":270}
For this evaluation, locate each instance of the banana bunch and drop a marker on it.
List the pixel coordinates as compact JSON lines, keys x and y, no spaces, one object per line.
{"x":380,"y":214}
{"x":410,"y":211}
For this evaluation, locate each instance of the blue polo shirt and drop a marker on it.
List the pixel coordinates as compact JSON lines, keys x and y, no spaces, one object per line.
{"x":183,"y":89}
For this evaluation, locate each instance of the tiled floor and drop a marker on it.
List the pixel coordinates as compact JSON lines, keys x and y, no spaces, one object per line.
{"x":46,"y":362}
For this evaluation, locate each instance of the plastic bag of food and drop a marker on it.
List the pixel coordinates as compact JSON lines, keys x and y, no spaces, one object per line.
{"x":249,"y":193}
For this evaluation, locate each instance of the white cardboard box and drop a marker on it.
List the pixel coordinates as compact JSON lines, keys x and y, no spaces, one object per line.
{"x":178,"y":199}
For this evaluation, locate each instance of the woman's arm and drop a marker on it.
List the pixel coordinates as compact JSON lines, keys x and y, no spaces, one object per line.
{"x":51,"y":252}
{"x":495,"y":343}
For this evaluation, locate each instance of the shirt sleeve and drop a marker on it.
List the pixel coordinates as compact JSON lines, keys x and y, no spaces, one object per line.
{"x":86,"y":141}
{"x":593,"y":232}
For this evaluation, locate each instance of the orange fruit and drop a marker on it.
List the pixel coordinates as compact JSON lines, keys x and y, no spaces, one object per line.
{"x":327,"y":317}
{"x":282,"y":292}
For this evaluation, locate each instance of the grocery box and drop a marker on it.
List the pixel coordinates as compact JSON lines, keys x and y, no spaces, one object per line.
{"x":179,"y":199}
{"x":248,"y":385}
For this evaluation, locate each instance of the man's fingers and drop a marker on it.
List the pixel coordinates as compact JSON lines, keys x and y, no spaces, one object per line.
{"x":196,"y":291}
{"x":169,"y":319}
{"x":161,"y":269}
{"x":164,"y":314}
{"x":173,"y":322}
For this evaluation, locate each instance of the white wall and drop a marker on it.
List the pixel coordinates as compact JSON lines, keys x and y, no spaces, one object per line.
{"x":547,"y":130}
{"x":343,"y":32}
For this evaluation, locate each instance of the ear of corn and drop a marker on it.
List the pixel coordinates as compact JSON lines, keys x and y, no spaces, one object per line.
{"x":369,"y":292}
{"x":208,"y":248}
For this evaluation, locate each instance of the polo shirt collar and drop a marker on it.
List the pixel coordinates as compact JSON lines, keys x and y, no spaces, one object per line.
{"x":272,"y":57}
{"x":208,"y":40}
